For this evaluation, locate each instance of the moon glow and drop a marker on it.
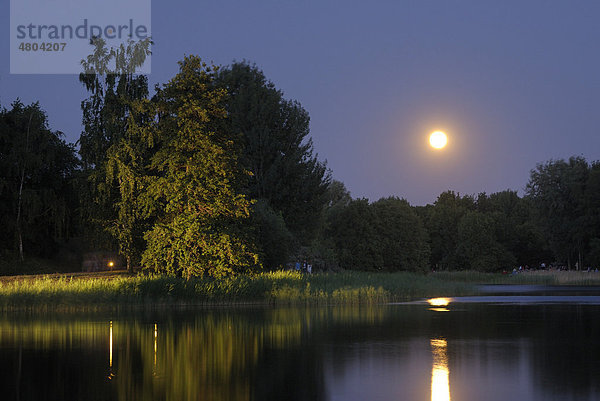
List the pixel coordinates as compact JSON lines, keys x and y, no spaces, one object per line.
{"x":438,"y":140}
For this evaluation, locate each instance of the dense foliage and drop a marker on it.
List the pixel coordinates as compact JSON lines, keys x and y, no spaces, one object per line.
{"x":245,"y":151}
{"x":216,"y":174}
{"x":37,"y":169}
{"x":486,"y":233}
{"x":195,"y":180}
{"x":108,"y":149}
{"x":566,"y":197}
{"x":384,"y":236}
{"x":286,"y":177}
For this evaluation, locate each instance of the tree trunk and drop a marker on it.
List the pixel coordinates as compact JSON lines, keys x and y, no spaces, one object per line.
{"x":19,"y":230}
{"x":19,"y":202}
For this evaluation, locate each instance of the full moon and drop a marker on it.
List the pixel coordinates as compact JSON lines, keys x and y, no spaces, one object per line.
{"x":438,"y":140}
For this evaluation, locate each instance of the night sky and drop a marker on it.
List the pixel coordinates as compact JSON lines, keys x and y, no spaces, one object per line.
{"x":512,"y":83}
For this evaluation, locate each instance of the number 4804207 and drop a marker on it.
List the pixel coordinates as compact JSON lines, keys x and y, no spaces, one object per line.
{"x":44,"y":46}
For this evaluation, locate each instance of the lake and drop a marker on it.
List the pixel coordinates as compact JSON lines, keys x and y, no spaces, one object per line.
{"x":539,"y":344}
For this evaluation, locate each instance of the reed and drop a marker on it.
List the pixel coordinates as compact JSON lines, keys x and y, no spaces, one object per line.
{"x":281,"y":287}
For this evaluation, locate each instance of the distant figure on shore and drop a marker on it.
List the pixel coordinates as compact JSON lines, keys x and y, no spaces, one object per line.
{"x":309,"y":268}
{"x":297,"y":266}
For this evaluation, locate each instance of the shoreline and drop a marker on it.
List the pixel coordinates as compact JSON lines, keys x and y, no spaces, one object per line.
{"x":115,"y":291}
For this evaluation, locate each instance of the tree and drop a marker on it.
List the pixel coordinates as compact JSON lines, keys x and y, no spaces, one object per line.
{"x":355,"y":238}
{"x":442,"y":222}
{"x":386,"y":235}
{"x":557,"y":192}
{"x":277,"y":149}
{"x":195,"y":179}
{"x":402,"y":236}
{"x":514,"y":227}
{"x":273,"y":239}
{"x":477,"y":244}
{"x":592,"y":213}
{"x":322,"y":249}
{"x":109,"y":76}
{"x":337,"y":195}
{"x":126,"y":168}
{"x":36,"y":171}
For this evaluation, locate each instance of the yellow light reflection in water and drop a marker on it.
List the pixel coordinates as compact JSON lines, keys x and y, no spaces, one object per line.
{"x":110,"y":346}
{"x":440,"y":382}
{"x":155,"y":337}
{"x":110,"y":351}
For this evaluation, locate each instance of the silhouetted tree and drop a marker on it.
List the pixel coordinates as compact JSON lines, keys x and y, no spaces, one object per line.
{"x":277,"y":149}
{"x":37,"y":168}
{"x":402,"y":236}
{"x":355,"y":238}
{"x":557,"y":192}
{"x":442,"y":222}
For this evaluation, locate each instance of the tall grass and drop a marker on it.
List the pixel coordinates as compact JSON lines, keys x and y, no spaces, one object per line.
{"x":283,"y":287}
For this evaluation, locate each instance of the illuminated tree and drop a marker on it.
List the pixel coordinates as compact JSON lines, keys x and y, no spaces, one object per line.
{"x":195,"y":179}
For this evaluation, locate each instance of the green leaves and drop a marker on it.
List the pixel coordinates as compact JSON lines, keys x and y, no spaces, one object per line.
{"x":194,"y":179}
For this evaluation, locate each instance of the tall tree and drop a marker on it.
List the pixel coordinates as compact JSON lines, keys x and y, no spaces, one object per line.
{"x":592,"y":206}
{"x":36,"y":171}
{"x":514,"y":227}
{"x":109,"y":76}
{"x":557,"y":191}
{"x":126,"y":169}
{"x":195,"y":180}
{"x":277,"y":149}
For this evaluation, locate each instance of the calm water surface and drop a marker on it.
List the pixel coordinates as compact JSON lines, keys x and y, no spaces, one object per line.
{"x":491,"y":348}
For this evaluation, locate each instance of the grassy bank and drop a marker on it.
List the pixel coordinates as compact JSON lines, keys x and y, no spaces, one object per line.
{"x":267,"y":288}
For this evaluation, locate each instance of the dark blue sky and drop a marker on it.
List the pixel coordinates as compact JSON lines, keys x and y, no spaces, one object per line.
{"x":513,"y":83}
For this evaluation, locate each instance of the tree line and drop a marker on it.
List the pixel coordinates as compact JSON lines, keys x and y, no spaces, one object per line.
{"x":557,"y":222}
{"x":215,"y":173}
